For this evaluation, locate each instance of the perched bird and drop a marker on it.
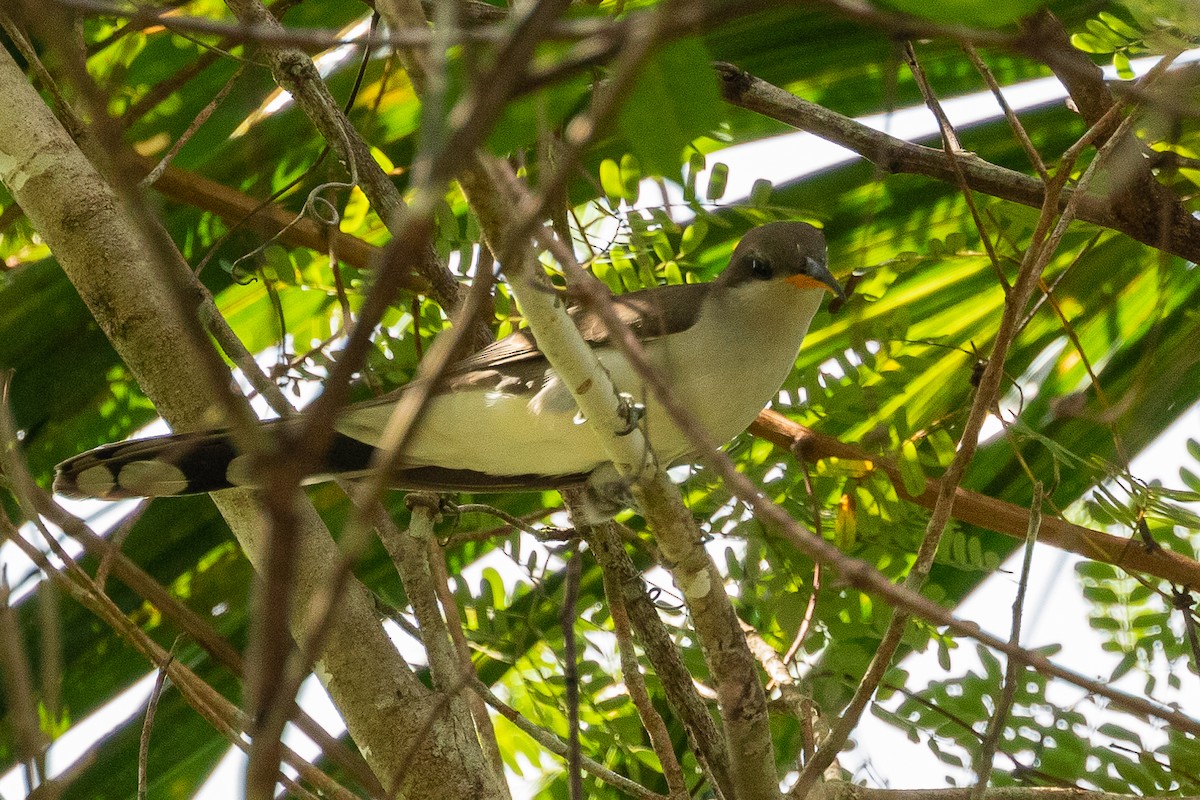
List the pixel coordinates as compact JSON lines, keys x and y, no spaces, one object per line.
{"x":502,"y":419}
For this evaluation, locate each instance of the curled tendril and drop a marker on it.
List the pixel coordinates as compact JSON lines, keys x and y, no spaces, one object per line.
{"x":315,"y":206}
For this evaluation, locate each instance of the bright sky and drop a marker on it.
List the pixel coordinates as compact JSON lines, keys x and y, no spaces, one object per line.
{"x":892,"y":760}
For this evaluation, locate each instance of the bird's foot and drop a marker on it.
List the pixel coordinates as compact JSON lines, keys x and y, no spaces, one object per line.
{"x":631,"y":411}
{"x":606,"y":494}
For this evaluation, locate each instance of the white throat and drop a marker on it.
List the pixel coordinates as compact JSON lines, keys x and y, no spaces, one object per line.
{"x":731,"y":363}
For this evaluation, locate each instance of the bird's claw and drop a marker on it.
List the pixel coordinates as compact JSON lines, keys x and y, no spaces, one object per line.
{"x":631,"y":411}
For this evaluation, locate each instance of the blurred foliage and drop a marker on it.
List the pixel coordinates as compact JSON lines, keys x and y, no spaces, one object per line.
{"x":891,"y":372}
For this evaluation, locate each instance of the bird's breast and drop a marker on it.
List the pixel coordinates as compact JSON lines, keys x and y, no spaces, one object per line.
{"x":741,"y":350}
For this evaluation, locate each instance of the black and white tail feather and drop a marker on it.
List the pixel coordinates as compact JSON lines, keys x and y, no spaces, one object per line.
{"x":184,"y":463}
{"x":207,"y":461}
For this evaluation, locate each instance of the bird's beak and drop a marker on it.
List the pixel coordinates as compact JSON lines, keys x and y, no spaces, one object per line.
{"x":818,"y":277}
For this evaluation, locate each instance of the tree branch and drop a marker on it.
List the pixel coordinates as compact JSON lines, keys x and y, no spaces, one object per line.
{"x":1164,"y":224}
{"x":840,"y":790}
{"x":621,"y":575}
{"x":113,"y":269}
{"x":987,"y":512}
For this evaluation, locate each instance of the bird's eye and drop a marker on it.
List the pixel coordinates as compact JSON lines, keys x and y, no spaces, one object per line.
{"x":761,"y":268}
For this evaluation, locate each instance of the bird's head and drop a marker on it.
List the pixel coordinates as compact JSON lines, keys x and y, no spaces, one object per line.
{"x":792,"y":252}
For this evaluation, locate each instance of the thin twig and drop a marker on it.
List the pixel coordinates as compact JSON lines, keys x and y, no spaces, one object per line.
{"x":116,"y":540}
{"x":635,"y":682}
{"x":566,"y":619}
{"x":160,"y":683}
{"x":1014,"y":122}
{"x":483,"y":723}
{"x":545,"y":532}
{"x":953,"y":148}
{"x":29,"y":744}
{"x":192,"y":127}
{"x":410,"y":554}
{"x":811,"y":607}
{"x":706,"y":741}
{"x":557,"y":746}
{"x":50,"y":650}
{"x":991,"y":739}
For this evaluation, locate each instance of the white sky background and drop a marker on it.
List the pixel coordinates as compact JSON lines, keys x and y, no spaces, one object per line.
{"x":1055,"y":613}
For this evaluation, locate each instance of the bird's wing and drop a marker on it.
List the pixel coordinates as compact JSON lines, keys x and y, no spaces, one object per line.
{"x":515,"y":363}
{"x":514,"y":370}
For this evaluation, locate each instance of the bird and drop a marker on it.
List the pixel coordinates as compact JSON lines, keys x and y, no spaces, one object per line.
{"x":502,"y":419}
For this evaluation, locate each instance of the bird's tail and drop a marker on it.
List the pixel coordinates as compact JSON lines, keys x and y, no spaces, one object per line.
{"x":205,"y":461}
{"x":183,"y":463}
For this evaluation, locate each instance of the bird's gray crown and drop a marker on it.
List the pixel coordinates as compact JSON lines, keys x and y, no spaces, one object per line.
{"x":778,"y":251}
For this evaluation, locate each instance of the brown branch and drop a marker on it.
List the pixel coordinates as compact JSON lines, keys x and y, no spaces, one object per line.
{"x":991,"y":739}
{"x":313,"y":40}
{"x":635,"y":682}
{"x":1134,"y":194}
{"x":210,"y":704}
{"x":840,"y":790}
{"x":988,"y":512}
{"x":621,"y":574}
{"x":1044,"y":39}
{"x":1163,"y":223}
{"x":160,"y":683}
{"x":557,"y":746}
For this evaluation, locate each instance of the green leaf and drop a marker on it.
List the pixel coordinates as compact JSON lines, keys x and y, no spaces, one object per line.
{"x":1119,"y":26}
{"x":911,"y":473}
{"x":1106,"y":34}
{"x":610,"y":181}
{"x":1096,"y":570}
{"x":760,"y":193}
{"x":1190,"y":479}
{"x":718,"y":179}
{"x":1121,"y":65}
{"x":695,"y":165}
{"x":693,"y":236}
{"x":1121,"y":734}
{"x":674,"y":100}
{"x":943,"y":654}
{"x":631,"y":177}
{"x":1089,"y":43}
